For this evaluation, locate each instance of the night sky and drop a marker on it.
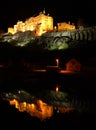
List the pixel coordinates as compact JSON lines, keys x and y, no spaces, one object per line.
{"x":61,"y":11}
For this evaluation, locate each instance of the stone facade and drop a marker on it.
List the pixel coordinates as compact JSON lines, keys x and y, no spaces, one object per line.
{"x":39,"y":24}
{"x":86,"y":34}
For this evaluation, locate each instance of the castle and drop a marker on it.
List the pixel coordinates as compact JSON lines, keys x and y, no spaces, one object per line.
{"x":40,"y":24}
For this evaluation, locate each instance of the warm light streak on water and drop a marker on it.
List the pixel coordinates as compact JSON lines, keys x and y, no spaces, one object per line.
{"x":57,"y":89}
{"x":39,"y":70}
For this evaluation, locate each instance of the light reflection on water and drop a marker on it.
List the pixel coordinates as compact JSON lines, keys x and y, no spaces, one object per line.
{"x":40,"y":110}
{"x":24,"y":101}
{"x":53,"y":100}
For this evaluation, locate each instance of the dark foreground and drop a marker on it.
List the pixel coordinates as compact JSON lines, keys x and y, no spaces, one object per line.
{"x":13,"y":119}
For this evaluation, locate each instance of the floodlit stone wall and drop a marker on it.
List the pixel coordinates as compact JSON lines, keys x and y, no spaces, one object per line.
{"x":39,"y":24}
{"x":88,"y":34}
{"x":65,"y":26}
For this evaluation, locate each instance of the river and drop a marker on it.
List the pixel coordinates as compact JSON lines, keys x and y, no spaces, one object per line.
{"x":46,"y":100}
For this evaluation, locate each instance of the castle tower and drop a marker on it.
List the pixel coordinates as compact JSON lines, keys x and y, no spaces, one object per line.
{"x":39,"y":24}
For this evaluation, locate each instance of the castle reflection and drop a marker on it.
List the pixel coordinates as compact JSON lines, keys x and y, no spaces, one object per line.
{"x":45,"y":103}
{"x":40,"y":110}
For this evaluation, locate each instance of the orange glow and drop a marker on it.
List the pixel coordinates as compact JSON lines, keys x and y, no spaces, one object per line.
{"x":65,"y":26}
{"x":57,"y":62}
{"x":14,"y":102}
{"x":11,"y":30}
{"x":57,"y":89}
{"x":64,"y":110}
{"x":39,"y":70}
{"x":40,"y":110}
{"x":39,"y":25}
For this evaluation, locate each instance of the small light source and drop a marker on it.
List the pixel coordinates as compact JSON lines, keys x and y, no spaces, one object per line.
{"x":57,"y":89}
{"x":57,"y":62}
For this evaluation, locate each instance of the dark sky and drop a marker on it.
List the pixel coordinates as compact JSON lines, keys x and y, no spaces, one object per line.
{"x":61,"y":10}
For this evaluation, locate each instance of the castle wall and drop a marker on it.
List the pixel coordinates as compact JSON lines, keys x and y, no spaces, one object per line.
{"x":86,"y":34}
{"x":39,"y":24}
{"x":65,"y":26}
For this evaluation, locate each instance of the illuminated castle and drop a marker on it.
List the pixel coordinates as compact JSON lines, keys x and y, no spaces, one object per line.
{"x":65,"y":26}
{"x":39,"y":25}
